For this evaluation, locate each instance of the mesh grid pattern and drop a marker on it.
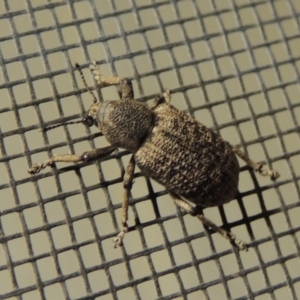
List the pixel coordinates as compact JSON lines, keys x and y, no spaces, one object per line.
{"x":233,"y":65}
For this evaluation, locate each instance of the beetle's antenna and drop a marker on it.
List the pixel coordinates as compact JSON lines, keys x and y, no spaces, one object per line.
{"x":78,"y":121}
{"x":61,"y":124}
{"x":84,"y":82}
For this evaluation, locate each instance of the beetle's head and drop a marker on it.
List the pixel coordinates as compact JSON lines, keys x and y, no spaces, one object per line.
{"x":91,"y":117}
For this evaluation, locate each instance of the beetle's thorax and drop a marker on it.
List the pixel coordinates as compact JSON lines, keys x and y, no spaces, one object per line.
{"x":125,"y":123}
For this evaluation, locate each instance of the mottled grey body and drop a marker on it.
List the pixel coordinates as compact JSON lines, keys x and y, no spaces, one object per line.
{"x":190,"y":160}
{"x":174,"y":149}
{"x":125,"y":124}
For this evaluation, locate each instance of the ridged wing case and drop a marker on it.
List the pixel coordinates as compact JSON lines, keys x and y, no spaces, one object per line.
{"x":188,"y":159}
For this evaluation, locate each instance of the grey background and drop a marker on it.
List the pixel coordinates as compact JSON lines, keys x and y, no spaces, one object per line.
{"x":233,"y":65}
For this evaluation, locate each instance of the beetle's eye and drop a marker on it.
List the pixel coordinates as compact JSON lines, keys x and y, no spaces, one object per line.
{"x":88,"y":121}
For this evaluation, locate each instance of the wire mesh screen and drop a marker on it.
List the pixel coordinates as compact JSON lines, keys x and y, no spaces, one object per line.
{"x":232,"y":64}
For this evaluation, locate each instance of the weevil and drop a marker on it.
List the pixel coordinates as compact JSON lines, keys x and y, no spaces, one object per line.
{"x":192,"y":162}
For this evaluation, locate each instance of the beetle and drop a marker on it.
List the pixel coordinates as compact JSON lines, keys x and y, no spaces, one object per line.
{"x":191,"y":161}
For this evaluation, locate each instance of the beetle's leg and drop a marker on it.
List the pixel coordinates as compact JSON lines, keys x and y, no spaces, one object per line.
{"x":167,"y":96}
{"x":257,"y":167}
{"x":85,"y":157}
{"x":159,"y":99}
{"x":127,"y":183}
{"x":194,"y":211}
{"x":125,"y":85}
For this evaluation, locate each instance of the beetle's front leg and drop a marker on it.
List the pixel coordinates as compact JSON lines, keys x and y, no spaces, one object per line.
{"x":125,"y":85}
{"x":127,"y":183}
{"x":194,"y":211}
{"x":85,"y":157}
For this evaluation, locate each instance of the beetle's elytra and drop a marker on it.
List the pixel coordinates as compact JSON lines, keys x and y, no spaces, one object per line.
{"x":191,"y":161}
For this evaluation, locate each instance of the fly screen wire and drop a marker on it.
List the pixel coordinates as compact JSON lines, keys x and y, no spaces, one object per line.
{"x":232,"y":64}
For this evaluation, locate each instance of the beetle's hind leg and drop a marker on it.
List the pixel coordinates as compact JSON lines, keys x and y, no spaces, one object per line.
{"x":125,"y":85}
{"x":127,"y":183}
{"x":257,"y":167}
{"x":194,"y":211}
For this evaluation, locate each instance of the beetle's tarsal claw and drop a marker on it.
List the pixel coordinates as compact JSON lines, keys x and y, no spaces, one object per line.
{"x":273,"y":174}
{"x":242,"y":246}
{"x":37,"y":168}
{"x":118,"y":240}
